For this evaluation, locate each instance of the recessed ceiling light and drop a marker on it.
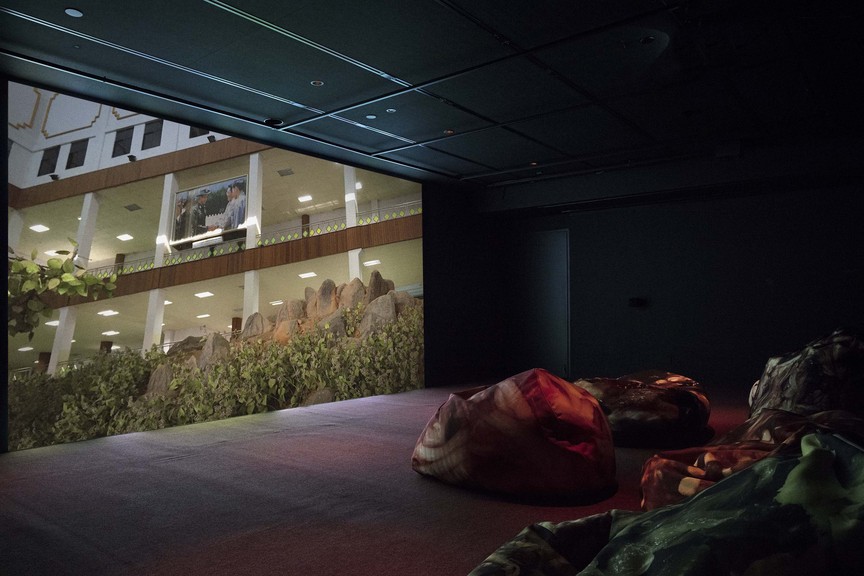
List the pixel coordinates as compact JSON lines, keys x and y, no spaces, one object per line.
{"x":39,"y":228}
{"x":358,"y":185}
{"x":391,"y":110}
{"x":25,"y":349}
{"x":449,"y":131}
{"x":371,"y":116}
{"x":317,"y":83}
{"x":167,"y":302}
{"x":110,"y":333}
{"x":52,"y":323}
{"x":202,"y":316}
{"x":307,"y":275}
{"x":274,"y":122}
{"x":124,"y":237}
{"x":305,"y":198}
{"x":108,"y":313}
{"x":285,"y":172}
{"x":371,"y":263}
{"x":74,"y":12}
{"x":277,"y":302}
{"x":204,"y":294}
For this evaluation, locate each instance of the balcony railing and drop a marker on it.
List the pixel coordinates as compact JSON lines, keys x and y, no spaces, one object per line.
{"x":267,"y":239}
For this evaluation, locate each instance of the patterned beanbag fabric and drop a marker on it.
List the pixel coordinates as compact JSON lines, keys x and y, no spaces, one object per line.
{"x":673,"y":476}
{"x":653,"y":408}
{"x":797,"y":512}
{"x":828,"y":374}
{"x":531,"y":435}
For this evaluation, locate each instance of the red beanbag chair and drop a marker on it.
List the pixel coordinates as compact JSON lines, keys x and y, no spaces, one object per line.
{"x":531,"y":435}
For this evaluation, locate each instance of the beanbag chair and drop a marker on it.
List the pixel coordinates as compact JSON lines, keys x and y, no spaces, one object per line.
{"x":653,"y":408}
{"x":827,"y":374}
{"x":532,"y":435}
{"x":798,"y":512}
{"x":673,"y":476}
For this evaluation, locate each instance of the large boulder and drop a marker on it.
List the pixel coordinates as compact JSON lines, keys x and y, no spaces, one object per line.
{"x":215,"y":351}
{"x":256,"y":325}
{"x":352,"y":294}
{"x":326,"y":298}
{"x":333,"y":323}
{"x":377,"y":313}
{"x":377,"y":287}
{"x":403,"y":301}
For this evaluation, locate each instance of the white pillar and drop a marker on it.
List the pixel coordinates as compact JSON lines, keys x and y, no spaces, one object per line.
{"x":153,"y":322}
{"x":166,"y":219}
{"x":350,"y":178}
{"x":62,"y":338}
{"x":251,"y":287}
{"x":16,"y":226}
{"x":254,"y":194}
{"x":87,"y":229}
{"x":354,"y":264}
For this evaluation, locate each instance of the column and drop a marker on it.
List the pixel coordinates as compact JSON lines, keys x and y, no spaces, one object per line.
{"x":354,"y":270}
{"x":16,"y":226}
{"x":153,"y":322}
{"x":166,"y":219}
{"x":251,"y":287}
{"x":254,"y":192}
{"x":87,"y":229}
{"x":63,"y":338}
{"x":350,"y":178}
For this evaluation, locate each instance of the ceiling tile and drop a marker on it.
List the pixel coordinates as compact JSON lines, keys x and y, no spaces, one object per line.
{"x":528,"y":90}
{"x":497,"y":148}
{"x":416,"y":116}
{"x":431,"y":159}
{"x":349,"y":135}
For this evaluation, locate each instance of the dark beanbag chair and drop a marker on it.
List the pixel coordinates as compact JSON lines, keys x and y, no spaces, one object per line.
{"x":797,"y":512}
{"x":533,"y":435}
{"x":673,"y":476}
{"x":653,"y":408}
{"x":827,"y":374}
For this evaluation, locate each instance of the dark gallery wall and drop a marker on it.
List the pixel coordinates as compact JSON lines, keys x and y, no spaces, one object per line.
{"x":709,"y":286}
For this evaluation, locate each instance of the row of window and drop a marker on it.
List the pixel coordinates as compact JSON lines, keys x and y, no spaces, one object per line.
{"x":122,"y":146}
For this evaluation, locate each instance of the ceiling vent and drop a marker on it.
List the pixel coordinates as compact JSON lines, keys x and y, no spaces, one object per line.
{"x":285,"y":172}
{"x":132,"y":207}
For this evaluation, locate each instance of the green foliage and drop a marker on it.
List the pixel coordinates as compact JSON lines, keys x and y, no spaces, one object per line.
{"x":28,"y":281}
{"x":106,"y":396}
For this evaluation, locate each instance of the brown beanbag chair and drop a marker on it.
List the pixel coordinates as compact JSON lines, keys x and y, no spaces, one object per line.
{"x":653,"y":408}
{"x":827,"y":374}
{"x":531,"y":435}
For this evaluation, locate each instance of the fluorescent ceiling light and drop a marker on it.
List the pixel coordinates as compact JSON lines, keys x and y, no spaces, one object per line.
{"x":25,"y":349}
{"x":358,"y":185}
{"x":202,"y":316}
{"x":167,"y":302}
{"x":371,"y":263}
{"x":307,"y":275}
{"x":110,"y":333}
{"x":124,"y":237}
{"x":41,"y":228}
{"x":204,"y":294}
{"x":305,"y":198}
{"x":108,"y":313}
{"x":52,"y":323}
{"x":276,"y":302}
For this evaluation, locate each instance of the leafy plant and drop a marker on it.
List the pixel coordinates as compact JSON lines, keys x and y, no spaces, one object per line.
{"x":29,"y":281}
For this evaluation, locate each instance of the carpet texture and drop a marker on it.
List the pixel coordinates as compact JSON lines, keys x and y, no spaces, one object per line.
{"x":320,"y":490}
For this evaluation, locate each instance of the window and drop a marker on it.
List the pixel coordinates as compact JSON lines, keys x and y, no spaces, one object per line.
{"x":152,"y":134}
{"x":194,"y":131}
{"x":77,"y":154}
{"x":122,"y":142}
{"x":49,"y":161}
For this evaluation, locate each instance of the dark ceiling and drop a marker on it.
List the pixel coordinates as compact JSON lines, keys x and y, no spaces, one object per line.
{"x":483,"y":91}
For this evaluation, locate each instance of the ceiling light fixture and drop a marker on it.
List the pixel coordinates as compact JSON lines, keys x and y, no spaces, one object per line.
{"x":277,"y":302}
{"x":132,"y":157}
{"x":317,"y":83}
{"x":358,"y":185}
{"x":54,"y":177}
{"x":204,"y":294}
{"x":39,"y":228}
{"x":110,"y":333}
{"x":371,"y":116}
{"x":305,"y":198}
{"x":274,"y":122}
{"x":74,"y":12}
{"x":390,"y":110}
{"x":371,"y":263}
{"x":307,"y":275}
{"x":108,"y":313}
{"x":124,"y":237}
{"x":202,"y":316}
{"x":25,"y":349}
{"x":167,"y":302}
{"x":52,"y":323}
{"x":449,"y":131}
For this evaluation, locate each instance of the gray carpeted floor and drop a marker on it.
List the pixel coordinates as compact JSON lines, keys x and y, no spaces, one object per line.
{"x":322,"y":490}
